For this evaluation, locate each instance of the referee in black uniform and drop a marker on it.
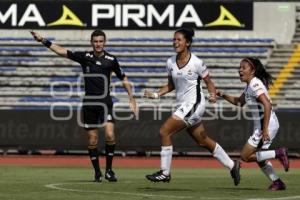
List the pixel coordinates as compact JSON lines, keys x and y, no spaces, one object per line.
{"x":97,"y":67}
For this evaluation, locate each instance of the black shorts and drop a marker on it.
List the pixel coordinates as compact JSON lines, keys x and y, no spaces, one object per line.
{"x":94,"y":116}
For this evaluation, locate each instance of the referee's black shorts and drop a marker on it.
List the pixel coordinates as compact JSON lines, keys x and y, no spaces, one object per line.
{"x":94,"y":115}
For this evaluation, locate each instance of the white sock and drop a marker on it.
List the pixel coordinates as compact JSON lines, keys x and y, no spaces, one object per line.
{"x":166,"y":159}
{"x":223,"y":157}
{"x":265,"y":155}
{"x":268,"y":170}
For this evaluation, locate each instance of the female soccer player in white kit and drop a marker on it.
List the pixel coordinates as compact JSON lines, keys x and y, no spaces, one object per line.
{"x":266,"y":125}
{"x":185,"y":72}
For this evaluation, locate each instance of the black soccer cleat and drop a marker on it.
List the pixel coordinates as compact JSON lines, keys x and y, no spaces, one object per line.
{"x":158,"y":177}
{"x":235,"y":172}
{"x":98,"y":177}
{"x":110,"y":176}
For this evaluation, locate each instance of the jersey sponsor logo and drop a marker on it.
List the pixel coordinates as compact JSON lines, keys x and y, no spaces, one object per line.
{"x":255,"y":85}
{"x":181,"y":110}
{"x":189,"y":72}
{"x":109,"y":57}
{"x":89,"y":55}
{"x":254,"y":139}
{"x":247,"y":96}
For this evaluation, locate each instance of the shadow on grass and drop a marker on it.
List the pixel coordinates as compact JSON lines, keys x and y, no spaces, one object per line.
{"x":160,"y":189}
{"x":236,"y":188}
{"x":81,"y":181}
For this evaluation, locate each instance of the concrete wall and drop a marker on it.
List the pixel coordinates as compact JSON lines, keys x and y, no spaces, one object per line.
{"x":19,"y":130}
{"x":271,"y":20}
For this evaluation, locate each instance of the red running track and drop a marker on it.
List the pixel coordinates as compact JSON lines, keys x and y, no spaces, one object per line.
{"x":128,"y":162}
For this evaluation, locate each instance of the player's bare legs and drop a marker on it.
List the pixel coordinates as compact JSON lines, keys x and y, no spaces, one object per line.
{"x":198,"y":133}
{"x":171,"y":126}
{"x":252,"y":154}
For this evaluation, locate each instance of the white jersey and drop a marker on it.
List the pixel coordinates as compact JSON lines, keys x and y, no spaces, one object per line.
{"x":187,"y":80}
{"x":252,"y":92}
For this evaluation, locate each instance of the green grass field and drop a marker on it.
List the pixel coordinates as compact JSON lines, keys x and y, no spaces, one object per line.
{"x":43,"y":183}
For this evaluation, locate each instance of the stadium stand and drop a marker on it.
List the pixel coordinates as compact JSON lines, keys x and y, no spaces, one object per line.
{"x":284,"y":64}
{"x":33,"y":79}
{"x":31,"y":75}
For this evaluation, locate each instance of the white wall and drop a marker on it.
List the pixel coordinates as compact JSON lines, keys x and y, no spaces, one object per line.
{"x":271,"y":20}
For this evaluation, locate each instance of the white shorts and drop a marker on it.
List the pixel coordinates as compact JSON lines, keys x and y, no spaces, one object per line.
{"x":255,"y":139}
{"x":191,"y":113}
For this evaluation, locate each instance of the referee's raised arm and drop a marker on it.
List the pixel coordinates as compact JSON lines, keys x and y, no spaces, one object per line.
{"x":53,"y":47}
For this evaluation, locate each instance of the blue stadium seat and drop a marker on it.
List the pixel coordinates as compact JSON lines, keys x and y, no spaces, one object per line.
{"x":140,"y":58}
{"x":7,"y":69}
{"x":23,"y":49}
{"x":20,"y":38}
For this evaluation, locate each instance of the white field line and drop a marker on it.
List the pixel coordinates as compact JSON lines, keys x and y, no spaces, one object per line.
{"x":278,"y":198}
{"x":58,"y":186}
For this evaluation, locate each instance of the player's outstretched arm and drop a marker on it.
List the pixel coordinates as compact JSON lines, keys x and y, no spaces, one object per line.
{"x":162,"y":91}
{"x":53,"y":47}
{"x":238,"y":101}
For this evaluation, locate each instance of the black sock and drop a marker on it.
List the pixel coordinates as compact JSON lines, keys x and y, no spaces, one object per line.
{"x":93,"y":152}
{"x":109,"y":152}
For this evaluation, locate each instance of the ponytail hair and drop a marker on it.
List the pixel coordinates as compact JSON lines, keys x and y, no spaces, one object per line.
{"x":260,"y":71}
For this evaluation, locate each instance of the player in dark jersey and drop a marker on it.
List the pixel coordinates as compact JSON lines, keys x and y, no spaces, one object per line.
{"x":97,"y":67}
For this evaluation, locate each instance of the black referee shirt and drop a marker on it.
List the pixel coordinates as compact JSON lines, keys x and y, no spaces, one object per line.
{"x":97,"y":72}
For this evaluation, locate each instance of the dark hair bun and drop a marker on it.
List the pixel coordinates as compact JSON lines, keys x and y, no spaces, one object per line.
{"x":189,"y":32}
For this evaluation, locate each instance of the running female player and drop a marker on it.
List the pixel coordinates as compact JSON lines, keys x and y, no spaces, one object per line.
{"x":185,"y":72}
{"x":266,"y":125}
